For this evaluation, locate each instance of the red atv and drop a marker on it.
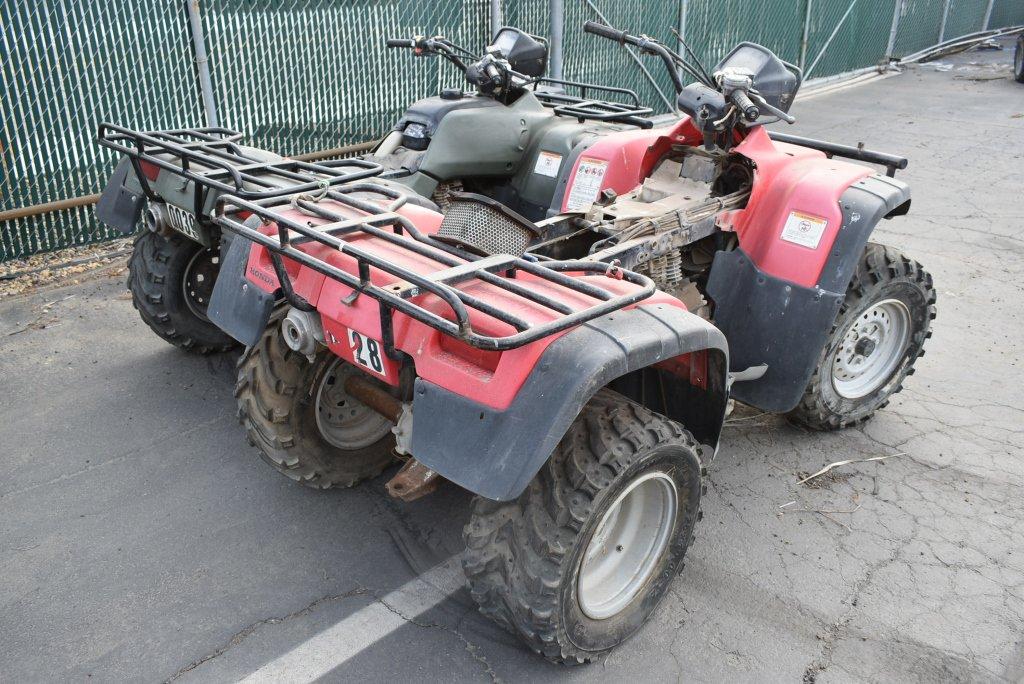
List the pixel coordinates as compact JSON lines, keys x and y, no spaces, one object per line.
{"x":558,"y":329}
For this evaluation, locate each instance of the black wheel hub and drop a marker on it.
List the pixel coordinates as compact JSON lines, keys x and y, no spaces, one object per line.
{"x":865,"y":347}
{"x":200,"y":276}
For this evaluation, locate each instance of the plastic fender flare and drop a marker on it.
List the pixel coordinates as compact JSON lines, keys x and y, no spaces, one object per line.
{"x":495,"y":453}
{"x":863,"y":205}
{"x":120,"y":205}
{"x":768,"y":320}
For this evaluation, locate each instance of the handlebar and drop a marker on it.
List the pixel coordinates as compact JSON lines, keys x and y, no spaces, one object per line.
{"x":401,"y":43}
{"x":645,"y":44}
{"x":745,"y":105}
{"x":605,"y":31}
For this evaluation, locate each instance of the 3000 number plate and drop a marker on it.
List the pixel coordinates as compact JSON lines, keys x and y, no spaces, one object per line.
{"x":183,"y":222}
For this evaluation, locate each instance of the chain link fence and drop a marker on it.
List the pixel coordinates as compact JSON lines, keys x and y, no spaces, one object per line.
{"x":305,"y":75}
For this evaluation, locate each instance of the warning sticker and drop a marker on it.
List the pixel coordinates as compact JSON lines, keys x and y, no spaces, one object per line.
{"x":586,"y":183}
{"x":548,"y":164}
{"x":804,"y":229}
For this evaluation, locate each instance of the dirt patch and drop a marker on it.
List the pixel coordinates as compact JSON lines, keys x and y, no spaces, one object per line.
{"x":64,"y":267}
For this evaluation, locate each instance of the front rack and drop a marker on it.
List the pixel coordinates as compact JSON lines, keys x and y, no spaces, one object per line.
{"x":582,"y":108}
{"x":213,"y":159}
{"x":382,"y":221}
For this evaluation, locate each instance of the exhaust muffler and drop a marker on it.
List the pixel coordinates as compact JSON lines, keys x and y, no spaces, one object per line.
{"x":302,"y":331}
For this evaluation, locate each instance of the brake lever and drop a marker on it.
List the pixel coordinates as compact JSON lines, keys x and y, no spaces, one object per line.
{"x":771,"y":110}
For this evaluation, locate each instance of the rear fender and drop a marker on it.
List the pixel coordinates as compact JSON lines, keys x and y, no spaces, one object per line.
{"x":496,"y":452}
{"x":120,"y":204}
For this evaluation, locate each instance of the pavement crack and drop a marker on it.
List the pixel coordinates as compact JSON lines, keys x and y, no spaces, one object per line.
{"x":247,"y":631}
{"x":471,"y":648}
{"x":834,"y":631}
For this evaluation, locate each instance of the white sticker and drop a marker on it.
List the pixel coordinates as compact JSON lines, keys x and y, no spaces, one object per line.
{"x":586,"y":183}
{"x":804,"y":229}
{"x":367,"y":352}
{"x":548,"y":164}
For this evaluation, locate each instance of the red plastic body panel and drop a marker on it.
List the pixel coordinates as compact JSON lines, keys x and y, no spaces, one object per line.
{"x":787,"y":179}
{"x":490,"y":378}
{"x":631,"y":155}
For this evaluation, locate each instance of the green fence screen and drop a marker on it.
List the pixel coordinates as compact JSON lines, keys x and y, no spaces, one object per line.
{"x":305,"y":75}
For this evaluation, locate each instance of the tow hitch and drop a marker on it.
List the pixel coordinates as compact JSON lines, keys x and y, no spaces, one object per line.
{"x":414,"y":480}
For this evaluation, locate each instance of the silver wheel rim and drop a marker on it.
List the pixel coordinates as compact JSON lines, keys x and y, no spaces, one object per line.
{"x":871,"y":350}
{"x":343,"y":421}
{"x":624,"y":551}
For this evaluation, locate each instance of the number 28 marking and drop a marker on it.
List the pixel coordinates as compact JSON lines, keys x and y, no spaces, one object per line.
{"x":366,"y":351}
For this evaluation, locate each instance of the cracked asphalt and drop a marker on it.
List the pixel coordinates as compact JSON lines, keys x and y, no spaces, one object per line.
{"x":142,"y":539}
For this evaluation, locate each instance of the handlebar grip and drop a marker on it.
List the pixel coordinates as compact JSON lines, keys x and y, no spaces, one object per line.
{"x":401,"y":43}
{"x":743,"y":103}
{"x":604,"y":31}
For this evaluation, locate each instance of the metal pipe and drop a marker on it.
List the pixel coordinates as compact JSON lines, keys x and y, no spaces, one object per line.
{"x":942,"y":24}
{"x":897,"y":9}
{"x":496,"y":19}
{"x":806,"y":34}
{"x":961,"y":42}
{"x":831,"y":37}
{"x":336,"y":151}
{"x":202,"y":61}
{"x":46,"y":208}
{"x":680,"y":47}
{"x":988,"y":15}
{"x":557,"y":35}
{"x":374,"y":397}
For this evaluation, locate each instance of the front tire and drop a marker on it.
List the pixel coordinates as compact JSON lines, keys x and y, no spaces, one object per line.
{"x":878,"y":335}
{"x":170,"y":280}
{"x":580,"y":560}
{"x":296,"y":412}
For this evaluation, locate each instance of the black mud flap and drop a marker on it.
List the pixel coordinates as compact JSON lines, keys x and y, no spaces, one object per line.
{"x":495,"y":453}
{"x":238,"y":307}
{"x":119,"y":206}
{"x":771,"y":321}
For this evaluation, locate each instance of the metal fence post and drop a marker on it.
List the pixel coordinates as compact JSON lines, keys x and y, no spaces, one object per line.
{"x":202,"y":62}
{"x":988,"y":15}
{"x":682,"y":34}
{"x":557,"y":16}
{"x":496,"y":17}
{"x":942,"y":24}
{"x":806,"y":34}
{"x":897,"y":10}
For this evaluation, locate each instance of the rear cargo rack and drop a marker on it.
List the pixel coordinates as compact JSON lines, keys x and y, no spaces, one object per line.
{"x":380,"y":203}
{"x":582,"y":108}
{"x":214,"y":160}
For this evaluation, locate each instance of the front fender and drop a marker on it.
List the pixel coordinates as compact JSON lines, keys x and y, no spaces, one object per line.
{"x":495,"y":453}
{"x":773,"y":321}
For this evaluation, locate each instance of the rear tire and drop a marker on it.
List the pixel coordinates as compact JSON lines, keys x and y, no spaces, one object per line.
{"x":157,"y":273}
{"x":878,"y":335}
{"x":296,"y":413}
{"x":547,"y":567}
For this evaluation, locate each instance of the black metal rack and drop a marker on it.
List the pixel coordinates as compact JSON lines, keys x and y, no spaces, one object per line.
{"x":582,"y":108}
{"x":378,"y":205}
{"x":891,"y":162}
{"x":213,"y":159}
